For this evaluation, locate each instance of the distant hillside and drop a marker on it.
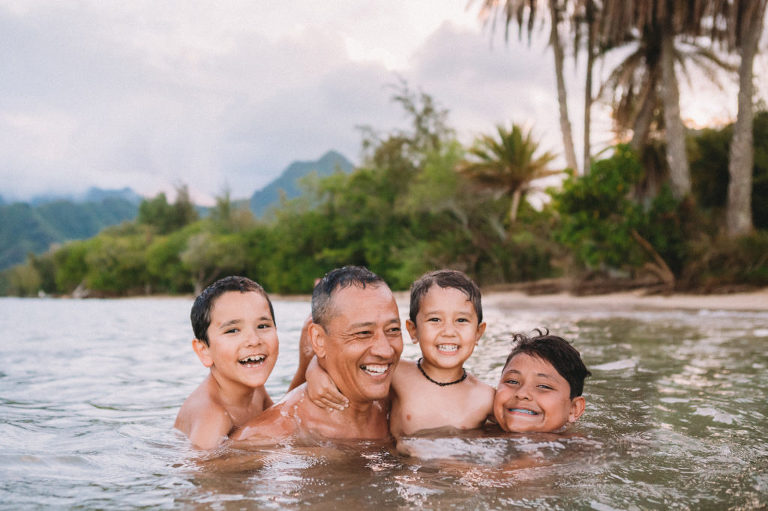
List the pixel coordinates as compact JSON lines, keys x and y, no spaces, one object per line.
{"x":269,"y":196}
{"x":28,"y":228}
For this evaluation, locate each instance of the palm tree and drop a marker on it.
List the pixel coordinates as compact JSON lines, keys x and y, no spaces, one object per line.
{"x":507,"y":164}
{"x":744,"y":21}
{"x":659,"y":23}
{"x":515,"y":10}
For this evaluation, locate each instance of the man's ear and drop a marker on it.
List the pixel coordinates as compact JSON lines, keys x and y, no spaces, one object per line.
{"x":411,"y":327}
{"x":202,"y":351}
{"x":317,"y":337}
{"x":577,"y":408}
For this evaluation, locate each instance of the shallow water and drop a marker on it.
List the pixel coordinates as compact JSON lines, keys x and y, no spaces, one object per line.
{"x":675,"y":419}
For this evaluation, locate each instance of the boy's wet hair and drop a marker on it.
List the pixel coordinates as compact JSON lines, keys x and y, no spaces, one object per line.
{"x":201,"y":309}
{"x":445,"y":279}
{"x":558,"y":352}
{"x":335,"y":280}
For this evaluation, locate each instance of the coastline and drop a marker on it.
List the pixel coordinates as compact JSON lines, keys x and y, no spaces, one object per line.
{"x":747,"y":301}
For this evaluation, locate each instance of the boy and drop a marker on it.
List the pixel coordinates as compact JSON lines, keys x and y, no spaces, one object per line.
{"x":236,"y":337}
{"x":541,"y":385}
{"x":446,"y":320}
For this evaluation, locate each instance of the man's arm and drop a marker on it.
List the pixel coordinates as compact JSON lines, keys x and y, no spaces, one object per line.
{"x":306,"y":353}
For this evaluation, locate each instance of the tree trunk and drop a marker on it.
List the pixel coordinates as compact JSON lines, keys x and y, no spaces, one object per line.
{"x":677,"y":160}
{"x":738,"y":217}
{"x":641,"y":127}
{"x":515,"y":205}
{"x":591,"y":29}
{"x":565,"y":123}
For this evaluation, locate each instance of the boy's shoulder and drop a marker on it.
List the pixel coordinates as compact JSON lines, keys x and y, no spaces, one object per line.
{"x":203,"y":418}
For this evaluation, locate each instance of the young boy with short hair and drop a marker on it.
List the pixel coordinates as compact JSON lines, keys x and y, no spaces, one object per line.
{"x":446,"y":320}
{"x":541,"y":385}
{"x":236,"y":337}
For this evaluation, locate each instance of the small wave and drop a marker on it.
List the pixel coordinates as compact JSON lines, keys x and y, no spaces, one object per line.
{"x":617,"y":365}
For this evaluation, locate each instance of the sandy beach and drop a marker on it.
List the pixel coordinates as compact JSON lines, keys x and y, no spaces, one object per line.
{"x":751,"y":301}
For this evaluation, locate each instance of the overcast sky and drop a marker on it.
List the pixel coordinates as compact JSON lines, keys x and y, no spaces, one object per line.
{"x":149,"y":94}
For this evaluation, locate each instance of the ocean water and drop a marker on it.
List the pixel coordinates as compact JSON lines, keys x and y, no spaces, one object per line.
{"x":675,"y":418}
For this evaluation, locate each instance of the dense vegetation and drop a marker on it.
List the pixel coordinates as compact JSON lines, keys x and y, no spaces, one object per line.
{"x":420,"y":200}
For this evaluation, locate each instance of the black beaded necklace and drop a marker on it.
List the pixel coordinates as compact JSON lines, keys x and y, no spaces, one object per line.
{"x":463,"y":376}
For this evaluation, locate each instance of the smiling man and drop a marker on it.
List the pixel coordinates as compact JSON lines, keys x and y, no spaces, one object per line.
{"x":356,"y":335}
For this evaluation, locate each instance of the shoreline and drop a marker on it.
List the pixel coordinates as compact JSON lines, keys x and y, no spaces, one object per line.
{"x":747,"y":301}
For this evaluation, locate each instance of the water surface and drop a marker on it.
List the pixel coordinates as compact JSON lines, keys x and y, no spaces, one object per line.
{"x":675,"y":418}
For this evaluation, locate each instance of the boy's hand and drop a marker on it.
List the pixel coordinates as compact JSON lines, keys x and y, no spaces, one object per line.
{"x":321,"y":389}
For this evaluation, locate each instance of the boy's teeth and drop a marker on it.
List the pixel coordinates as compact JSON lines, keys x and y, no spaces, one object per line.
{"x":522,"y":410}
{"x":374,"y":368}
{"x":447,"y":347}
{"x":254,"y":359}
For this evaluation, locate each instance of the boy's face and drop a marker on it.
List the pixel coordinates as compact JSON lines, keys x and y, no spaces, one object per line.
{"x":533,"y":396}
{"x":446,"y":327}
{"x":242,"y":339}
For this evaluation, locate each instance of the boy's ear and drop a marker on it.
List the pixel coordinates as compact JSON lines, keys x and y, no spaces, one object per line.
{"x":577,"y":408}
{"x":202,"y":351}
{"x":317,"y":337}
{"x":480,"y":331}
{"x":411,"y":327}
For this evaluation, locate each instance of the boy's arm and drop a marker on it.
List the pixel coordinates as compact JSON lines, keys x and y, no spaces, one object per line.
{"x":321,"y":390}
{"x":305,"y":356}
{"x":210,"y":428}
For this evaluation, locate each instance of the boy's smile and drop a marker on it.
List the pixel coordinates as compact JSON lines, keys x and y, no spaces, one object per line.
{"x":447,"y":331}
{"x":533,"y":396}
{"x":242,"y":339}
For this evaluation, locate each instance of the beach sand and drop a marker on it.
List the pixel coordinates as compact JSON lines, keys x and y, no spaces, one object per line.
{"x":751,"y":301}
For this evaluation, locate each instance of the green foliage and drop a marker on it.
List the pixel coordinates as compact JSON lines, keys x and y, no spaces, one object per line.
{"x":708,"y":154}
{"x":723,"y":264}
{"x":164,"y":217}
{"x":597,"y":217}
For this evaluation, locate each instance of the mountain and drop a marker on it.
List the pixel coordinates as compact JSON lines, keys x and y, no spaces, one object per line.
{"x":269,"y":196}
{"x":35,"y":227}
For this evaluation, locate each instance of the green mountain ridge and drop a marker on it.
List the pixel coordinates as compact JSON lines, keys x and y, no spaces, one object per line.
{"x":288,"y":181}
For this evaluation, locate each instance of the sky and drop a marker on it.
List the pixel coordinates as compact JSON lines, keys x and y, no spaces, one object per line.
{"x":224,"y":95}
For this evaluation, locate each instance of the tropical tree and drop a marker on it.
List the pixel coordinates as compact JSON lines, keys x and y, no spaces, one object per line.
{"x":744,"y":20}
{"x":507,"y":163}
{"x":516,"y":11}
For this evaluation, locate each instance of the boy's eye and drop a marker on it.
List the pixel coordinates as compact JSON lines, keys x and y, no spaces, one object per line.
{"x":463,"y":320}
{"x":545,"y":387}
{"x":434,"y":320}
{"x":232,"y":331}
{"x":264,"y":325}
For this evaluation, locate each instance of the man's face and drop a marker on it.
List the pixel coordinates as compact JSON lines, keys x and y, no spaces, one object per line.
{"x":361,"y":342}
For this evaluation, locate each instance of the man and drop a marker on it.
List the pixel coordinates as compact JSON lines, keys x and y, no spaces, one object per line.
{"x":356,"y":335}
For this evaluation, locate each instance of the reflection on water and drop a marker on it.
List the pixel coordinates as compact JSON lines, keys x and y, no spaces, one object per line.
{"x":676,"y":414}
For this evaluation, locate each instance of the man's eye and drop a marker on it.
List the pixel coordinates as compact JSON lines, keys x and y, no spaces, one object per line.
{"x":545,"y":387}
{"x":394,"y":331}
{"x":264,"y":325}
{"x":511,"y":382}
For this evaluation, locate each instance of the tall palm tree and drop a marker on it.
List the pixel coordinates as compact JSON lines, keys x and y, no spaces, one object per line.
{"x":744,"y":21}
{"x":660,"y":22}
{"x":515,"y":11}
{"x":507,"y":163}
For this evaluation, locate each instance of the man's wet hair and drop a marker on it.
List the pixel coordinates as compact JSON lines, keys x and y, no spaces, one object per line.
{"x":558,"y":352}
{"x":336,"y":280}
{"x":445,"y":279}
{"x":201,"y":309}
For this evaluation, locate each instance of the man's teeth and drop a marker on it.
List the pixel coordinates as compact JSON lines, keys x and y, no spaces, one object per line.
{"x":447,"y":347}
{"x":253,"y":359}
{"x":522,"y":410}
{"x":375,"y":368}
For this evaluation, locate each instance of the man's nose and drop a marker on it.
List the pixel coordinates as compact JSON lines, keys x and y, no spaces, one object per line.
{"x":382,"y":345}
